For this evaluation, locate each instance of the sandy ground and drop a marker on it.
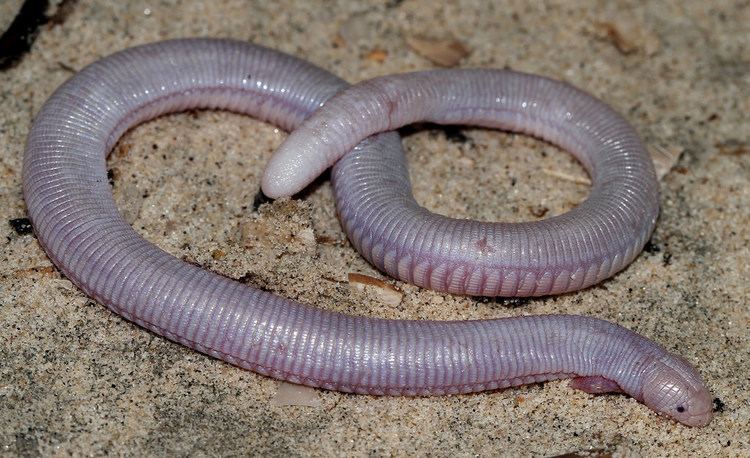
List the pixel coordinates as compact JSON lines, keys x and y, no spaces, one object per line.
{"x":75,"y":378}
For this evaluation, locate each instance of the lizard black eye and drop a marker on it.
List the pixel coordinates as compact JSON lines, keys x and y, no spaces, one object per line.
{"x":680,"y":409}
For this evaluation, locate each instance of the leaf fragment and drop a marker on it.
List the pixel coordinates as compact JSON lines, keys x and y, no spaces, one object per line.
{"x":386,"y":292}
{"x":446,"y":52}
{"x":291,"y":394}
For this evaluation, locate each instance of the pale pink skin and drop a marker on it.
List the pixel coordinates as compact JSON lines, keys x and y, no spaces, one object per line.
{"x":561,"y":254}
{"x":70,"y":204}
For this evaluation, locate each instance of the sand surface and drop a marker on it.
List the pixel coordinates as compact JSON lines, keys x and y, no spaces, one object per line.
{"x":75,"y":378}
